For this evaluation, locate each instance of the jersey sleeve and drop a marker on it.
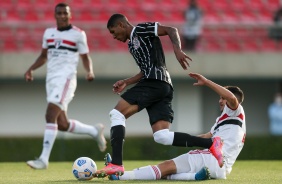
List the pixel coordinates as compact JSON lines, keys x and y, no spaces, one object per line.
{"x":44,"y":40}
{"x":148,"y":29}
{"x":212,"y":128}
{"x":82,"y":45}
{"x":233,"y":112}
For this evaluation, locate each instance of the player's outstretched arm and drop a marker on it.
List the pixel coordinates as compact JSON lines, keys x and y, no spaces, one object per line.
{"x":120,"y":85}
{"x":41,"y":60}
{"x":221,"y":91}
{"x":87,"y":63}
{"x":172,"y":32}
{"x":206,"y":135}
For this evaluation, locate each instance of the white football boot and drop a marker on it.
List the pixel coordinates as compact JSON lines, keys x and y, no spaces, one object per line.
{"x":100,"y":138}
{"x":37,"y":164}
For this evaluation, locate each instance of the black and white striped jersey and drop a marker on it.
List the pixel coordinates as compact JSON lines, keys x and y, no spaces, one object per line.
{"x":146,"y":48}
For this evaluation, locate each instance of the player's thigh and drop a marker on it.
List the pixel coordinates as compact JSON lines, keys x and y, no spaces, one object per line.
{"x":52,"y":113}
{"x":62,"y":121}
{"x":161,"y":110}
{"x":188,"y":163}
{"x":215,"y":171}
{"x":146,"y":93}
{"x":195,"y":160}
{"x":126,"y":108}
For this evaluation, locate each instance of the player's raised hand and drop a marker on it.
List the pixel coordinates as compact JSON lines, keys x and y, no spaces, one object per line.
{"x":90,"y":76}
{"x":201,"y":79}
{"x":119,"y":86}
{"x":28,"y":75}
{"x":182,"y":59}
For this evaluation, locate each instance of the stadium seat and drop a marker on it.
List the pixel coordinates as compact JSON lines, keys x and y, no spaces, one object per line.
{"x":259,"y":31}
{"x":232,"y":45}
{"x":6,"y":32}
{"x":9,"y":45}
{"x":6,"y":4}
{"x":233,"y":26}
{"x":224,"y":31}
{"x":239,"y":5}
{"x":251,"y":45}
{"x":270,"y":45}
{"x":212,"y":44}
{"x":212,"y":17}
{"x":273,"y":4}
{"x":230,"y":17}
{"x":248,"y":17}
{"x":265,"y":15}
{"x":221,"y":5}
{"x":10,"y":15}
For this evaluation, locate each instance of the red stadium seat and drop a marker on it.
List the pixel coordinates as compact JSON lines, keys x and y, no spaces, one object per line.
{"x":269,"y":45}
{"x":265,"y":15}
{"x":248,"y":17}
{"x":251,"y":45}
{"x":229,"y":25}
{"x":273,"y":4}
{"x":210,"y":43}
{"x":221,"y":5}
{"x":239,"y":5}
{"x":230,"y":16}
{"x":212,"y":17}
{"x":232,"y":45}
{"x":10,"y":45}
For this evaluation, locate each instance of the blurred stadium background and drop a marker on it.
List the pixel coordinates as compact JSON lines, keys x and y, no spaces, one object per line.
{"x":234,"y":49}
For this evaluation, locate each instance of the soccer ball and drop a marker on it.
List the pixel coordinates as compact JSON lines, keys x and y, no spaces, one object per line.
{"x":83,"y":168}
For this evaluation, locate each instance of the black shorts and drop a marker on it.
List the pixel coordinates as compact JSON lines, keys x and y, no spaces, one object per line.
{"x":155,"y":96}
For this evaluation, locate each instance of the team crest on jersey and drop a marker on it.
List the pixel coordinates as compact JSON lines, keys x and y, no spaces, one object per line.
{"x":136,"y":43}
{"x":58,"y":43}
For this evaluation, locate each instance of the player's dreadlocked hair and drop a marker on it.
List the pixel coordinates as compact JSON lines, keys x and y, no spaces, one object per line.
{"x":113,"y":20}
{"x":237,"y":92}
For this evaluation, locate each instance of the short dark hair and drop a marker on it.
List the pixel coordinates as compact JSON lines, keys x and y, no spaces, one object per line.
{"x":237,"y":92}
{"x":113,"y":20}
{"x":61,"y":5}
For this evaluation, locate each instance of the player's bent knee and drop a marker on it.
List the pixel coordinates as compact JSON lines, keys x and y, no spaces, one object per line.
{"x":63,"y":127}
{"x":164,"y":137}
{"x":117,"y":118}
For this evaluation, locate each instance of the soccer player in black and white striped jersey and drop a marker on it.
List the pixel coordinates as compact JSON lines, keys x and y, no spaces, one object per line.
{"x":153,"y":89}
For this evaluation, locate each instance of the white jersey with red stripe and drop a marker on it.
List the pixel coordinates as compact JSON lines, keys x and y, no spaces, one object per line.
{"x":230,"y":126}
{"x":64,"y":48}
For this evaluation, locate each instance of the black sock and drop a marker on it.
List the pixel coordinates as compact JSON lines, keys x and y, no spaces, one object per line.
{"x":186,"y":140}
{"x":117,"y":139}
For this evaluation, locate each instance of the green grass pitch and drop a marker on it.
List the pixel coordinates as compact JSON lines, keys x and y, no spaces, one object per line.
{"x":249,"y":172}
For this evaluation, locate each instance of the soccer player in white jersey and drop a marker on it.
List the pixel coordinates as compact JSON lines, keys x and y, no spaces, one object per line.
{"x":61,"y":48}
{"x":152,"y":90}
{"x":200,"y":164}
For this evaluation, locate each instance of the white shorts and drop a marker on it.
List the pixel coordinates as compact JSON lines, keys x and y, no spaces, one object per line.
{"x":195,"y":160}
{"x":60,"y":91}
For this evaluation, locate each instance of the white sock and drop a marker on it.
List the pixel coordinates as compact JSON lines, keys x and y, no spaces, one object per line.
{"x":50,"y":134}
{"x":182,"y":176}
{"x":127,"y":175}
{"x":81,"y":128}
{"x":142,"y":173}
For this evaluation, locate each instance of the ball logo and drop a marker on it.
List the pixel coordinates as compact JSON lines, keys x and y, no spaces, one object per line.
{"x":136,"y":43}
{"x":81,"y":162}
